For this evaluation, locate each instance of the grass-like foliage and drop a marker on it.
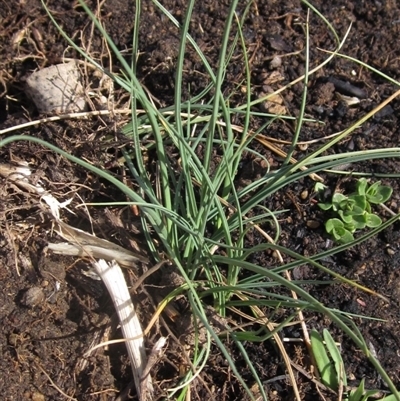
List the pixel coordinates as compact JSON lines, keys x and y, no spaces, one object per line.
{"x":193,"y":213}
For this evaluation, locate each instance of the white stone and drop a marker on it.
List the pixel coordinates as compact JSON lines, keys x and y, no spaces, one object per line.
{"x":57,"y":89}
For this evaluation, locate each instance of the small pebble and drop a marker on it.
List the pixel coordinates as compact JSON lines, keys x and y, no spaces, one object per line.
{"x":390,"y":251}
{"x":304,"y":195}
{"x":36,"y":396}
{"x":313,"y":224}
{"x":32,"y":297}
{"x":275,"y":62}
{"x":275,"y":254}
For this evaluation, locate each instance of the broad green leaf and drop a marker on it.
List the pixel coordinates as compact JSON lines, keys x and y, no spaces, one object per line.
{"x":379,"y":194}
{"x":373,"y":220}
{"x":373,"y":189}
{"x":360,"y":203}
{"x":338,"y":200}
{"x":385,"y":192}
{"x":347,"y":217}
{"x":337,"y":235}
{"x":350,"y":227}
{"x":339,"y":231}
{"x":333,"y":224}
{"x":360,"y":221}
{"x":346,"y":204}
{"x":325,"y":367}
{"x":362,"y":186}
{"x":347,"y":237}
{"x":335,"y":355}
{"x":325,"y":206}
{"x":338,"y":197}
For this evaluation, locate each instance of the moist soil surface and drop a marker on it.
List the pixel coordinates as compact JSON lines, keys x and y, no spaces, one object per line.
{"x":52,"y":313}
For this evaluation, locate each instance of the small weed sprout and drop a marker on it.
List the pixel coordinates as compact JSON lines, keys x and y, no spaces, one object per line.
{"x":353,"y":212}
{"x":332,"y":371}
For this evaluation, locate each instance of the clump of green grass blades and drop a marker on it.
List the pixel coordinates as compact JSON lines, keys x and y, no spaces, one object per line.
{"x":199,"y":209}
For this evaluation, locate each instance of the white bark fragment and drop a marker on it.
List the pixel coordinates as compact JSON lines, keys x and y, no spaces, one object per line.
{"x":114,"y":280}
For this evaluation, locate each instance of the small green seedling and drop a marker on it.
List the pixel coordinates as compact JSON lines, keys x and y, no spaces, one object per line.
{"x":338,"y":230}
{"x":353,"y":212}
{"x":331,"y":368}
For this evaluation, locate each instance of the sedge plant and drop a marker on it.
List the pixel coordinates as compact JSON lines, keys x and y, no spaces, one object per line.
{"x":198,"y":216}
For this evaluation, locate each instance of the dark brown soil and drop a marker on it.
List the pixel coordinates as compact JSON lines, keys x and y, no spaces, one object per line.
{"x":45,"y":331}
